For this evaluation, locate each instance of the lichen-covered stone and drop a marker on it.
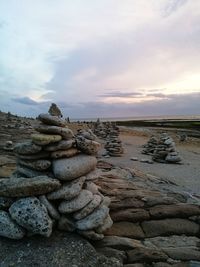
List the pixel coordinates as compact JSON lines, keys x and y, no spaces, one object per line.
{"x":31,"y":214}
{"x":61,"y":145}
{"x":45,"y":139}
{"x":27,"y":148}
{"x":66,"y":133}
{"x":51,"y":120}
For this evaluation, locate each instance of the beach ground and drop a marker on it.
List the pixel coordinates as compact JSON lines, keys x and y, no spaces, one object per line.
{"x":186,"y":175}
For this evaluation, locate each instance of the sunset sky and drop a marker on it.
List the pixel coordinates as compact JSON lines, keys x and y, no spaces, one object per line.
{"x":100,"y":58}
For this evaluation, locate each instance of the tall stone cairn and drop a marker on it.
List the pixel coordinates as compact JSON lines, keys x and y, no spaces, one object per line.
{"x":55,"y":111}
{"x":165,"y":151}
{"x":113,"y":143}
{"x":53,"y":187}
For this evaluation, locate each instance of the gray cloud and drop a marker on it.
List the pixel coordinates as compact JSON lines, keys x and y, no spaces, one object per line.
{"x":159,"y":95}
{"x":121,"y":94}
{"x":25,"y":101}
{"x":172,"y":6}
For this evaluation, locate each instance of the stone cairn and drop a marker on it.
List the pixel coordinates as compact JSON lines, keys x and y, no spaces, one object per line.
{"x":100,"y":129}
{"x":165,"y":151}
{"x":113,"y":143}
{"x":150,"y":146}
{"x":55,"y":111}
{"x":53,"y":185}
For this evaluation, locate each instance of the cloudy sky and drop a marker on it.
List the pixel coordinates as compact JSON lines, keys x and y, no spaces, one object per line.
{"x":98,"y":58}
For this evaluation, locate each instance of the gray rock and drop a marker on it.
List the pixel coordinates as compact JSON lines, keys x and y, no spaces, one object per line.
{"x":93,"y":175}
{"x":5,"y":202}
{"x":89,"y":208}
{"x":71,"y":152}
{"x":9,"y":228}
{"x":45,"y":139}
{"x":68,"y":190}
{"x":114,"y":253}
{"x":27,"y":148}
{"x":87,"y":146}
{"x":32,"y":215}
{"x":61,"y":249}
{"x":38,"y":165}
{"x":51,"y":120}
{"x":172,"y":158}
{"x":91,"y":187}
{"x":39,"y":155}
{"x":76,"y":203}
{"x":66,"y":133}
{"x":92,"y":235}
{"x":94,"y":219}
{"x":21,"y":187}
{"x":62,"y":145}
{"x":107,"y":223}
{"x":72,"y":168}
{"x":66,"y":224}
{"x":30,"y":173}
{"x":54,"y":214}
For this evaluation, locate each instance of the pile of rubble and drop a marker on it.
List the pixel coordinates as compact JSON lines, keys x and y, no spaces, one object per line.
{"x":113,"y":143}
{"x":53,"y":185}
{"x":156,"y":224}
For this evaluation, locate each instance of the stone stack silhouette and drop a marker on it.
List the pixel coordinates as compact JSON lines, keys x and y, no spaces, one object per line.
{"x":53,"y":185}
{"x":150,"y":146}
{"x":100,"y":129}
{"x":165,"y":151}
{"x":113,"y":143}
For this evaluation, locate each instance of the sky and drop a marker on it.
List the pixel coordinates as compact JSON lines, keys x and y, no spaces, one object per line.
{"x":100,"y":58}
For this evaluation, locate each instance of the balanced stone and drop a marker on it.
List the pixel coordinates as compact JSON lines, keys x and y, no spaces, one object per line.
{"x":68,"y":190}
{"x":65,"y":153}
{"x":39,"y":165}
{"x":87,"y":146}
{"x":72,"y":168}
{"x":94,"y":219}
{"x":51,"y":120}
{"x":21,"y":187}
{"x":40,"y":155}
{"x":92,"y":235}
{"x":76,"y":203}
{"x":9,"y":228}
{"x":27,"y":148}
{"x":32,"y":215}
{"x":61,"y":145}
{"x":54,"y":214}
{"x":66,"y":133}
{"x":89,"y":208}
{"x":45,"y":139}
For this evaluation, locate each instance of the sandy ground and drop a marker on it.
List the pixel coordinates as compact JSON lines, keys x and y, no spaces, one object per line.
{"x":186,"y":175}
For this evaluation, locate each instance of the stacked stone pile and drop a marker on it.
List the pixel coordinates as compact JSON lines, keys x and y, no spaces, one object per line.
{"x":53,"y":185}
{"x":150,"y":146}
{"x":155,"y":224}
{"x":165,"y":151}
{"x":100,"y":129}
{"x":113,"y":143}
{"x":88,"y":134}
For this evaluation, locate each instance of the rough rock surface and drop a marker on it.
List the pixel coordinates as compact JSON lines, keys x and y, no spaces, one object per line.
{"x":31,"y":214}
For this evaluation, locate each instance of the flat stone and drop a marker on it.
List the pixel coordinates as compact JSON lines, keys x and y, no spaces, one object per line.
{"x":72,"y":168}
{"x":121,"y":243}
{"x":68,"y":190}
{"x":107,"y":223}
{"x":51,"y":120}
{"x":126,"y":229}
{"x":132,"y":215}
{"x":92,"y":187}
{"x":39,"y":155}
{"x":45,"y":139}
{"x":30,"y":173}
{"x":87,"y":146}
{"x":169,"y":227}
{"x":54,"y":214}
{"x":146,"y":255}
{"x":111,"y":252}
{"x":66,"y":224}
{"x":21,"y":187}
{"x":76,"y":203}
{"x":64,"y":153}
{"x":9,"y":228}
{"x":93,"y":175}
{"x":178,"y":211}
{"x":27,"y":148}
{"x":90,"y":234}
{"x":39,"y":165}
{"x":94,"y":203}
{"x":93,"y":220}
{"x":61,"y":145}
{"x":173,"y":159}
{"x":183,"y":254}
{"x":66,"y":133}
{"x":32,"y":215}
{"x":5,"y":202}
